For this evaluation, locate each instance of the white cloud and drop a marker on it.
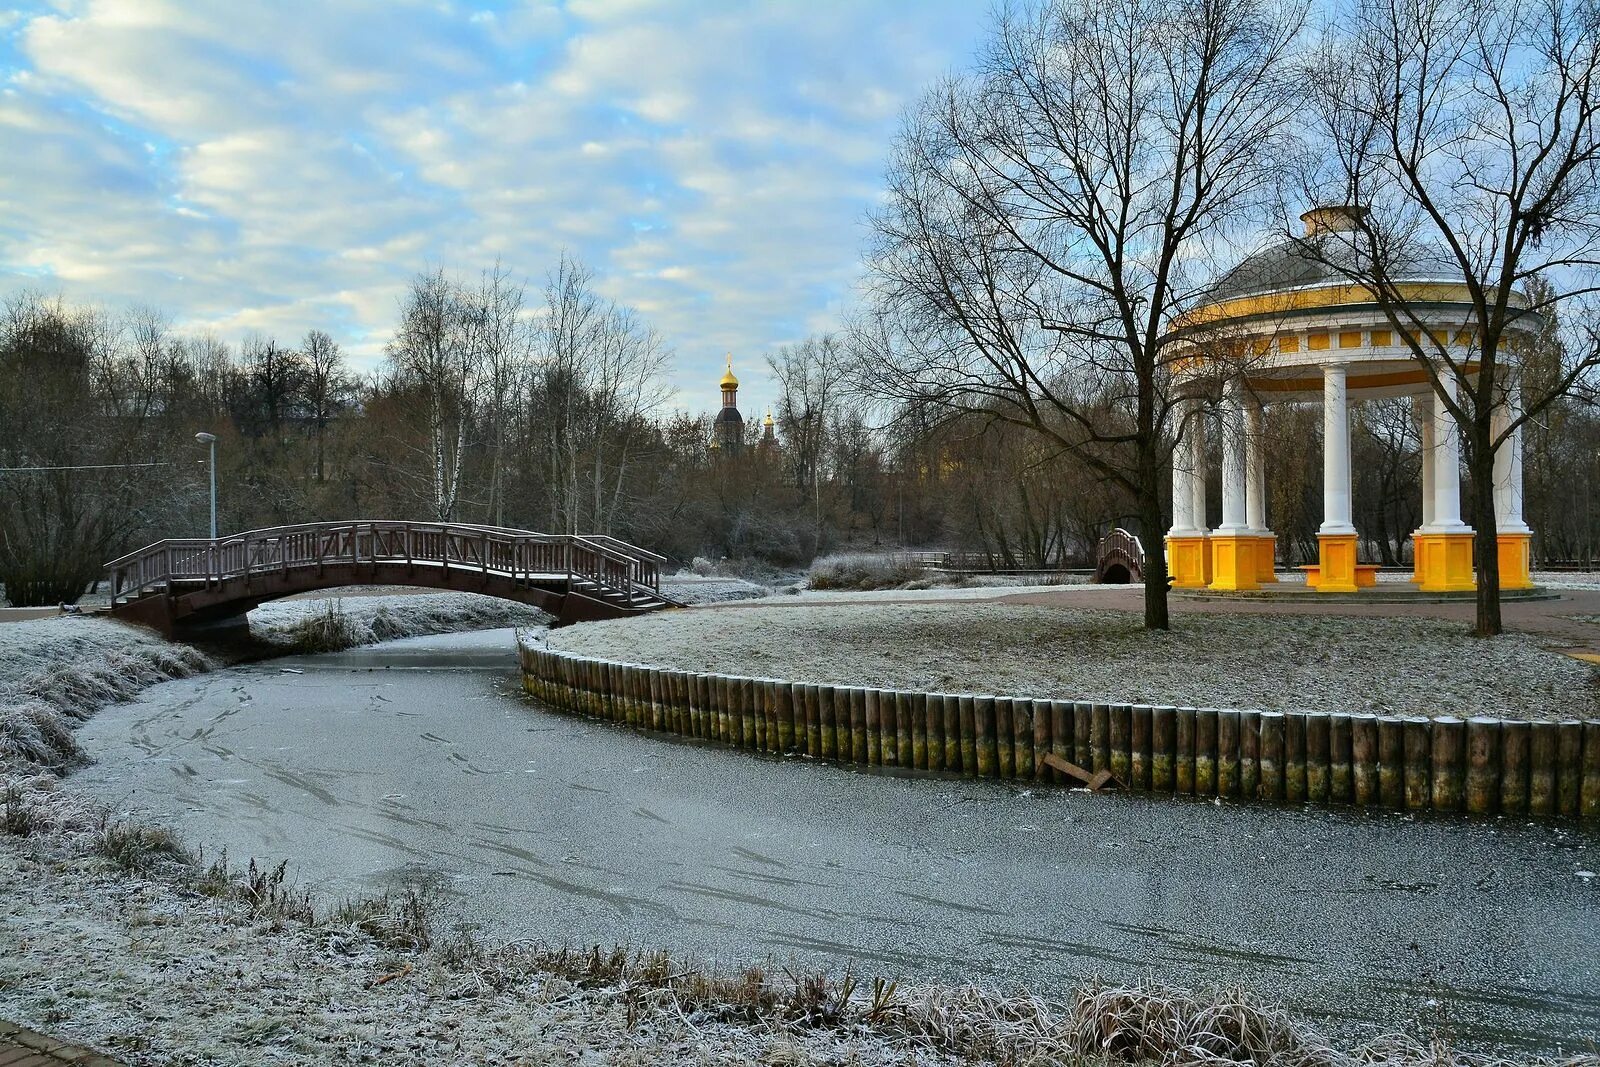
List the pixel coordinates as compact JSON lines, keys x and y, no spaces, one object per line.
{"x":281,"y":166}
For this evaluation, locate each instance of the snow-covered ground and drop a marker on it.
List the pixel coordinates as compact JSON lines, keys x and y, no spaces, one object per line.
{"x":1307,"y":662}
{"x":1567,"y":579}
{"x":386,"y":616}
{"x":690,"y":588}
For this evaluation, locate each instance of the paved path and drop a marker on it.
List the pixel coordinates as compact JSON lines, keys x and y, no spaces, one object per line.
{"x":21,"y":1047}
{"x":378,"y":766}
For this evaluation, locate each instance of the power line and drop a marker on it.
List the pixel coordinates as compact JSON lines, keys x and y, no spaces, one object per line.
{"x":88,"y":467}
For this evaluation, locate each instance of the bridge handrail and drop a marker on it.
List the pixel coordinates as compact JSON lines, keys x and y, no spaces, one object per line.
{"x":191,"y":559}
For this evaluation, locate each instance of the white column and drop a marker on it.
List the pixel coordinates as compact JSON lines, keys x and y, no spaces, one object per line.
{"x":1234,"y":511}
{"x":1335,"y":451}
{"x":1197,"y":466}
{"x":1508,"y":465}
{"x":1421,"y":408}
{"x":1183,"y":474}
{"x":1255,"y":466}
{"x":1446,"y":470}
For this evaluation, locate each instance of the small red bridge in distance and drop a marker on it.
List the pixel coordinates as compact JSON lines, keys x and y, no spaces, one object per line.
{"x":175,"y":584}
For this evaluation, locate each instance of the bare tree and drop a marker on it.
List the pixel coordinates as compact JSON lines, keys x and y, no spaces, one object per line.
{"x":87,"y":454}
{"x":437,"y":349}
{"x":506,"y":340}
{"x":599,"y":372}
{"x":1464,"y":132}
{"x":811,"y":375}
{"x":328,"y":388}
{"x":1047,"y":218}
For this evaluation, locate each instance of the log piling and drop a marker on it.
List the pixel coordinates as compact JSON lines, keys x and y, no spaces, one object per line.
{"x":1482,"y":765}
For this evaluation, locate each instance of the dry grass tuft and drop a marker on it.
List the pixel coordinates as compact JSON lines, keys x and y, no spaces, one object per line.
{"x":328,"y":630}
{"x":19,"y":812}
{"x":34,"y":734}
{"x":137,"y":848}
{"x":404,"y":920}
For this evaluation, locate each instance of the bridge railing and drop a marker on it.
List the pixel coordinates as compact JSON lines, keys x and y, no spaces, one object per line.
{"x":518,"y":554}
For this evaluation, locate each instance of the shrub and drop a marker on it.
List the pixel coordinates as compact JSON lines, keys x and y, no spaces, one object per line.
{"x":328,"y":630}
{"x":862,"y":570}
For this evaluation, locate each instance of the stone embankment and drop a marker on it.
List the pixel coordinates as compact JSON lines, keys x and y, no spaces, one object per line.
{"x":1481,"y":765}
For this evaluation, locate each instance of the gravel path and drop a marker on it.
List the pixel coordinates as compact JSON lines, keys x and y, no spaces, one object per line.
{"x":1394,"y":665}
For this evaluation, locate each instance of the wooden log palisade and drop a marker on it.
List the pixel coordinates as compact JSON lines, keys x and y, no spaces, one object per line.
{"x":1480,"y":765}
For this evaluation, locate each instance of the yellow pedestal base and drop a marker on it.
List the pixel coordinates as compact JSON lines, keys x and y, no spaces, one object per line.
{"x":1446,"y":565}
{"x":1266,"y":558}
{"x":1188,"y":562}
{"x":1419,"y":552}
{"x":1233,"y":562}
{"x":1516,"y":561}
{"x":1336,"y":563}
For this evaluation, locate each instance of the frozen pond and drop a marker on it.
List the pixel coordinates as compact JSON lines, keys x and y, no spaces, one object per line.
{"x":422,"y":758}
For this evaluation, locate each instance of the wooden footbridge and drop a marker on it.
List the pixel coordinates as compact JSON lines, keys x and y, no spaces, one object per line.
{"x":183,"y":582}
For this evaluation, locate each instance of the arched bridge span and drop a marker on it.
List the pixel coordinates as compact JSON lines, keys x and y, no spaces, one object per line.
{"x":180,"y":582}
{"x":1120,"y":560}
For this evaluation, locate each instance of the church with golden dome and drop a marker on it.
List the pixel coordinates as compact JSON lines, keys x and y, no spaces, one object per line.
{"x":727,"y":429}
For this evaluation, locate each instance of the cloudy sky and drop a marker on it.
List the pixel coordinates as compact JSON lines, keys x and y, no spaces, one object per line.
{"x":277,"y":165}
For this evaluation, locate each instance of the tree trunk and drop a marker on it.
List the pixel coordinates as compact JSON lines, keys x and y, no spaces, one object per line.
{"x":1152,"y":525}
{"x":1485,"y":538}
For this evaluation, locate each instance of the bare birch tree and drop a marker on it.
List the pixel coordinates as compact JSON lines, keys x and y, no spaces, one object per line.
{"x":505,"y":338}
{"x":438,"y":349}
{"x":600,"y":370}
{"x":1047,"y":219}
{"x":1466,"y":132}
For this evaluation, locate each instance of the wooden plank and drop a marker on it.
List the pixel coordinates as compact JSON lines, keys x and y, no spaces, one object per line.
{"x":1095,"y":780}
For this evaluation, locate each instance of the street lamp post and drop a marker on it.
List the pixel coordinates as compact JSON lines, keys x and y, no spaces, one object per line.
{"x":211,"y":439}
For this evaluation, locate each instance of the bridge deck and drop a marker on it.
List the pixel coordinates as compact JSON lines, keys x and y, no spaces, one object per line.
{"x":574,"y":577}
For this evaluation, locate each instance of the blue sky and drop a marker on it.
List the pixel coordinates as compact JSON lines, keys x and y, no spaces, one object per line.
{"x":279,"y":165}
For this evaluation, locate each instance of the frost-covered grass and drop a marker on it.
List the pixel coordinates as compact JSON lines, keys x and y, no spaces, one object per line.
{"x":331,"y":624}
{"x":56,"y":672}
{"x":180,"y":962}
{"x":1398,"y":665}
{"x":862,"y":570}
{"x":688,"y":588}
{"x":1567,"y":579}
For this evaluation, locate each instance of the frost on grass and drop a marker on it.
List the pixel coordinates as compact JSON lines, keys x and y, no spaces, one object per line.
{"x":1389,"y":665}
{"x":55,"y":672}
{"x":689,"y":588}
{"x":330,"y":624}
{"x":188,"y":963}
{"x":861,"y":570}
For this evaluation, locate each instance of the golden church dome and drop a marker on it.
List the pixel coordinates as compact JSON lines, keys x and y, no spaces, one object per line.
{"x":728,"y":380}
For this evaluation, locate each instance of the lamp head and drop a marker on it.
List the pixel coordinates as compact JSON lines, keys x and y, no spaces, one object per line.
{"x":205,"y":438}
